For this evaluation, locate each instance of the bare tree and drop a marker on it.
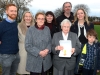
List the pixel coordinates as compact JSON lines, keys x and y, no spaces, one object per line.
{"x":21,"y":4}
{"x":82,"y":6}
{"x":2,"y":8}
{"x":58,"y":12}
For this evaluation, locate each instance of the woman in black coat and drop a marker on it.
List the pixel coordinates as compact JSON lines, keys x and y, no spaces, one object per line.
{"x":51,"y":22}
{"x":80,"y":26}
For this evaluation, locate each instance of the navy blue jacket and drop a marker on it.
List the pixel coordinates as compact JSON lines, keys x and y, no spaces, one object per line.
{"x":96,"y":60}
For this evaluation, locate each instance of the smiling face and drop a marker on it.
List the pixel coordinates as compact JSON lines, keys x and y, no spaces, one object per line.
{"x":40,"y":19}
{"x":28,"y":18}
{"x":11,"y":12}
{"x":49,"y":18}
{"x":80,"y":14}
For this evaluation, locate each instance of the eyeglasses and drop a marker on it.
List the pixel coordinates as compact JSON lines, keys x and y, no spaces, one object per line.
{"x":40,"y":19}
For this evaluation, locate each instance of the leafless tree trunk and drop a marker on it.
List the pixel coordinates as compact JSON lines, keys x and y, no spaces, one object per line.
{"x":21,"y":4}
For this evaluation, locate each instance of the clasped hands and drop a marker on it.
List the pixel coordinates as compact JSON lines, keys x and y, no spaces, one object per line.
{"x":44,"y":52}
{"x":61,"y":48}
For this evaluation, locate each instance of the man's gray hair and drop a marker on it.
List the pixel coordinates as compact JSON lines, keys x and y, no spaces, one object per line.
{"x":65,"y":21}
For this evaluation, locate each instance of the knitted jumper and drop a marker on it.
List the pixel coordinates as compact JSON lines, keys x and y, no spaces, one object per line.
{"x":8,"y":37}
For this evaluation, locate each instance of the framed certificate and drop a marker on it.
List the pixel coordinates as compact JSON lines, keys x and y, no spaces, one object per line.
{"x":66,"y":52}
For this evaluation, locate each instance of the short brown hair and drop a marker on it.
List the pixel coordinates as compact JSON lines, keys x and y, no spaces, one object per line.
{"x":92,"y":32}
{"x":39,"y":13}
{"x":8,"y":5}
{"x":66,"y":3}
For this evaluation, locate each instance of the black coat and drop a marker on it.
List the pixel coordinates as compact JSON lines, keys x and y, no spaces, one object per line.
{"x":60,"y":18}
{"x":54,"y":29}
{"x":74,"y":28}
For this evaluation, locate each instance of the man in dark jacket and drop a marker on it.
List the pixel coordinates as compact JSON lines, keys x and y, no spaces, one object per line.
{"x":67,"y":14}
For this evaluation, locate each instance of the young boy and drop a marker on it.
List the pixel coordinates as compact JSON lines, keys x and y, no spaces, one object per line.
{"x":90,"y":55}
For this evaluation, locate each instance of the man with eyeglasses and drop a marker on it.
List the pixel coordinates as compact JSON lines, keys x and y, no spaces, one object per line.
{"x":67,"y":14}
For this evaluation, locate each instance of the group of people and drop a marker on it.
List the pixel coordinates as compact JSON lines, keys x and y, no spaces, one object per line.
{"x":32,"y":46}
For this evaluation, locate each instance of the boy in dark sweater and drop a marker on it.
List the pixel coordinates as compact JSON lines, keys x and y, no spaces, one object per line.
{"x":90,"y":55}
{"x":9,"y":57}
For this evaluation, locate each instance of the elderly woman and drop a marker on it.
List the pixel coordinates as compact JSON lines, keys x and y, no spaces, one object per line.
{"x":65,"y":65}
{"x":38,"y":47}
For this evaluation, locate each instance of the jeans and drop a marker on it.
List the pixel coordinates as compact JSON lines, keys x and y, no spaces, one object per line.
{"x":9,"y":63}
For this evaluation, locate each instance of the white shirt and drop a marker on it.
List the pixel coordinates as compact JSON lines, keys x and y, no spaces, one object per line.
{"x":79,"y":32}
{"x":65,"y":37}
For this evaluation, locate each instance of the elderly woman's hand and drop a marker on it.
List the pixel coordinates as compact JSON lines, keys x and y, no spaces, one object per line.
{"x":43,"y":53}
{"x":73,"y":50}
{"x":59,"y":48}
{"x":46,"y":51}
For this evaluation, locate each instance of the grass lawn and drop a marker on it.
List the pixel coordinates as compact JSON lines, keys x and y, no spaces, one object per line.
{"x":98,"y":73}
{"x":97,"y":28}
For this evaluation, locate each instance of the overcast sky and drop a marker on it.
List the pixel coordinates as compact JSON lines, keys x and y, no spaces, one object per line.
{"x":51,"y":5}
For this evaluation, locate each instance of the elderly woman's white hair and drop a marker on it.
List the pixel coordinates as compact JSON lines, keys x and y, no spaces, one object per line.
{"x":65,"y":21}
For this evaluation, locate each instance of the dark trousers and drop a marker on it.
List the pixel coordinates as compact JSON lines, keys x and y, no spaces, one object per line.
{"x":51,"y":71}
{"x":42,"y":73}
{"x":87,"y":72}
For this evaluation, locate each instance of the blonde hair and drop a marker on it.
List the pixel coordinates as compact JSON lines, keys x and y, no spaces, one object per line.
{"x":85,"y":18}
{"x":22,"y":23}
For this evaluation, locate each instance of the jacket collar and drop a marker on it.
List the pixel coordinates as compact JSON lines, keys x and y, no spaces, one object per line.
{"x":61,"y":37}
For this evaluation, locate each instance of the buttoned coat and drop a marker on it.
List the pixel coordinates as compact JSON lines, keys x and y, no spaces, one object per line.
{"x":63,"y":62}
{"x":37,"y":40}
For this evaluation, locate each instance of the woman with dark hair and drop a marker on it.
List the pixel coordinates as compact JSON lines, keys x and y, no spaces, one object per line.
{"x":51,"y":22}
